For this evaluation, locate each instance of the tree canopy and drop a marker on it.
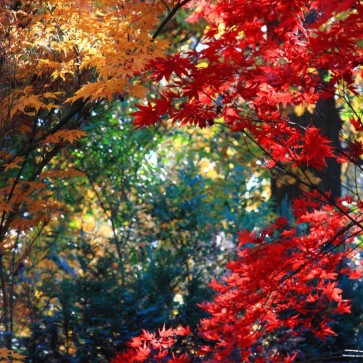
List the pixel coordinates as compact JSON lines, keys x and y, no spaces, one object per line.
{"x":116,"y":220}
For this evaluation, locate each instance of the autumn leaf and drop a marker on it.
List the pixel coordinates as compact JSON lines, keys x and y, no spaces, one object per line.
{"x":8,"y":355}
{"x":315,"y":150}
{"x":15,"y":164}
{"x":343,"y":308}
{"x":146,"y":116}
{"x":5,"y":206}
{"x":64,"y":135}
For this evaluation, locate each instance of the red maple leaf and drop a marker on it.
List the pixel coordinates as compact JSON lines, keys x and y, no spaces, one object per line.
{"x":146,"y":116}
{"x":315,"y":150}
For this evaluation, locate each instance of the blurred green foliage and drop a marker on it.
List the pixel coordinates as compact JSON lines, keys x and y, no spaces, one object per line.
{"x":152,"y":221}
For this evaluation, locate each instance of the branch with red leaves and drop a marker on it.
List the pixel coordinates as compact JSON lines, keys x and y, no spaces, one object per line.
{"x":257,"y":59}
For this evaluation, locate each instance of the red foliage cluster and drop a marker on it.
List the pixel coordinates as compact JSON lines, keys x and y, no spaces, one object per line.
{"x":283,"y":284}
{"x":155,"y":347}
{"x":257,"y":58}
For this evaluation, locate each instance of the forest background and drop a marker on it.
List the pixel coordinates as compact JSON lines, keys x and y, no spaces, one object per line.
{"x":109,"y":227}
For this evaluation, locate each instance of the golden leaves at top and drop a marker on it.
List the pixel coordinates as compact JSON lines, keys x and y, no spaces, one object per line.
{"x":80,"y":49}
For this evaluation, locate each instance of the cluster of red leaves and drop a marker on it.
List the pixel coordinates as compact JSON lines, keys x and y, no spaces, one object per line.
{"x":283,"y":284}
{"x":286,"y":281}
{"x":258,"y":58}
{"x":152,"y":347}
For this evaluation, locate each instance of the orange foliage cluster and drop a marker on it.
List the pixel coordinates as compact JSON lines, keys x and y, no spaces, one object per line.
{"x":57,"y":59}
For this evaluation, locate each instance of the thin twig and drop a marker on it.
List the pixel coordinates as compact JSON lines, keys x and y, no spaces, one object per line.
{"x":168,"y":18}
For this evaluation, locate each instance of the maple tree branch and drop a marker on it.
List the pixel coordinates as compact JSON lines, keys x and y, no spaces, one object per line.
{"x":73,"y":112}
{"x":17,"y":265}
{"x":310,"y":185}
{"x":168,"y":18}
{"x":33,"y":144}
{"x":165,"y":4}
{"x":3,"y":226}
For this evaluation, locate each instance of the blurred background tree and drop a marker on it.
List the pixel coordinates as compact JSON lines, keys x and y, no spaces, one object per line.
{"x":152,"y":220}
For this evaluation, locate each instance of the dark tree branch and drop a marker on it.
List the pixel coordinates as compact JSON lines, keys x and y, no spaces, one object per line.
{"x":168,"y":18}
